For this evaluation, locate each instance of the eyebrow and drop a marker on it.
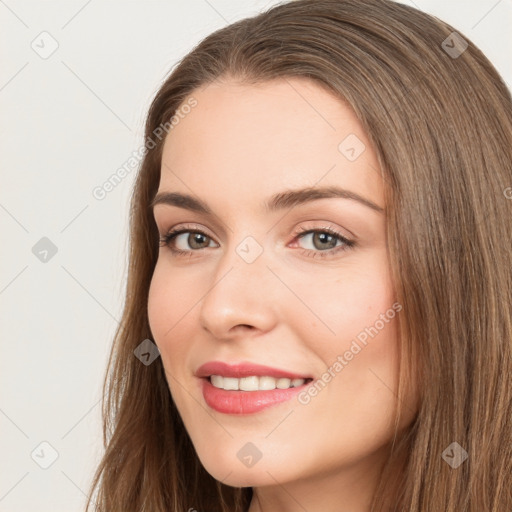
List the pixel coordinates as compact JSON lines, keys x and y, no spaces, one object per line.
{"x":287,"y":199}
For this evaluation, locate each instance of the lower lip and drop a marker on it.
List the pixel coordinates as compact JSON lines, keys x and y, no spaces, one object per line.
{"x":245,"y":402}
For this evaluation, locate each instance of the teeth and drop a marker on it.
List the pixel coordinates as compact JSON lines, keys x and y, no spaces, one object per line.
{"x":283,"y":383}
{"x":254,"y":383}
{"x":267,"y":383}
{"x":230,"y":383}
{"x":248,"y":384}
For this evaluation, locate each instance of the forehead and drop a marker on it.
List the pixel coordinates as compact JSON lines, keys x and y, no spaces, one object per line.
{"x":254,"y":140}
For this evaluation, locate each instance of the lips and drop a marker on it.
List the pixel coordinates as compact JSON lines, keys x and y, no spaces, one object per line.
{"x":241,"y":370}
{"x":241,"y":402}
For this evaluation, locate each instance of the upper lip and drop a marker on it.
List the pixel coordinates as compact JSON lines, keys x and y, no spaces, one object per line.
{"x":245,"y":369}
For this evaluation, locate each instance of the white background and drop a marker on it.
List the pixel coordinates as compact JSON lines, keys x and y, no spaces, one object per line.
{"x":68,"y":123}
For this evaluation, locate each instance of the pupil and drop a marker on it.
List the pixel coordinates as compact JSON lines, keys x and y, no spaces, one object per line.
{"x":324,"y":237}
{"x":196,"y":237}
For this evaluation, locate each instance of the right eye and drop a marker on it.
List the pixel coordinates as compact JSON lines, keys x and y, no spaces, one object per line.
{"x":192,"y":239}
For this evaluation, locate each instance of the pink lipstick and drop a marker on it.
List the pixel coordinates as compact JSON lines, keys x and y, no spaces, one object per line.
{"x":247,"y":388}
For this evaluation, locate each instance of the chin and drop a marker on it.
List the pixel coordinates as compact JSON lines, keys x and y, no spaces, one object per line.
{"x":225,"y":471}
{"x":246,"y":479}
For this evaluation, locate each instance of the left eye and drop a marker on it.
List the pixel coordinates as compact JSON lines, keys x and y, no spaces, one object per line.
{"x":322,"y":240}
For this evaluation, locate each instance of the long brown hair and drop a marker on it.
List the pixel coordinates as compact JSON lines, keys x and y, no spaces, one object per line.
{"x":440,"y":119}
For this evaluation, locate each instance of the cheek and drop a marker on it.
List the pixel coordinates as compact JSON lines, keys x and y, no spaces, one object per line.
{"x":354,"y":333}
{"x":158,"y":309}
{"x":171,"y":295}
{"x":345,"y":302}
{"x":174,"y":301}
{"x":168,"y":303}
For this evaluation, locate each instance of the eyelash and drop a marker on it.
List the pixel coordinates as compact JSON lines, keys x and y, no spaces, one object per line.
{"x":165,"y":241}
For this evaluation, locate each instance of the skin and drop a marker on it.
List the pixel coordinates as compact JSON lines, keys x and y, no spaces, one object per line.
{"x":287,"y":309}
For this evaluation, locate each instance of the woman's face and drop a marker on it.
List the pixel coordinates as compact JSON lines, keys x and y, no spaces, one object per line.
{"x":266,"y":284}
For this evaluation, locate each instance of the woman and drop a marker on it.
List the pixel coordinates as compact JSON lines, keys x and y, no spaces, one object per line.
{"x":372,"y":373}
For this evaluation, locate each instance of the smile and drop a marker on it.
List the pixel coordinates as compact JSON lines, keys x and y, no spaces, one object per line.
{"x":246,"y":402}
{"x":247,"y":387}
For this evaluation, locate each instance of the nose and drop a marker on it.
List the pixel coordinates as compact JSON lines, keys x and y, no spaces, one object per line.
{"x":242,"y":298}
